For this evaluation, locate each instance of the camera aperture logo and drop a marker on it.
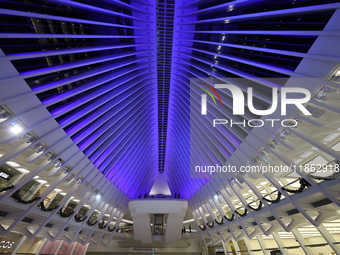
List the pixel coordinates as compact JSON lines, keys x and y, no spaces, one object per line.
{"x":204,"y":97}
{"x":239,"y":104}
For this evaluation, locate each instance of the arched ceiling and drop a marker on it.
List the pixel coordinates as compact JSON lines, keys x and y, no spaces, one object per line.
{"x":116,"y":75}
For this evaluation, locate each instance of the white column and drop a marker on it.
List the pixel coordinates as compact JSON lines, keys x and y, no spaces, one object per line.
{"x":22,"y":240}
{"x":302,"y":242}
{"x":236,"y":247}
{"x":280,"y":243}
{"x":226,"y":248}
{"x":329,"y":239}
{"x":262,"y":244}
{"x":41,"y":246}
{"x":196,"y":219}
{"x":248,"y":245}
{"x":34,"y":191}
{"x":14,"y":180}
{"x":66,"y":204}
{"x":59,"y":246}
{"x":205,"y":250}
{"x":73,"y":248}
{"x":51,"y":199}
{"x":87,"y":246}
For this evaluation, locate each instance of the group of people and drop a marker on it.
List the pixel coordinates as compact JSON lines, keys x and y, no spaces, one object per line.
{"x":176,"y":195}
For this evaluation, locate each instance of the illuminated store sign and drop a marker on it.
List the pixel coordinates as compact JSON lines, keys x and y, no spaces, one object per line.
{"x":4,"y":175}
{"x":6,"y":244}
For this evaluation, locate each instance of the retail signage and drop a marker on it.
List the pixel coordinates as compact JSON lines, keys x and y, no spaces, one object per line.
{"x":6,"y":244}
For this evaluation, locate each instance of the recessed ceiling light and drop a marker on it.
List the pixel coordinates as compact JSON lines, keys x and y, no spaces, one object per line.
{"x":331,"y":137}
{"x":12,"y":164}
{"x":307,"y":154}
{"x":23,"y":170}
